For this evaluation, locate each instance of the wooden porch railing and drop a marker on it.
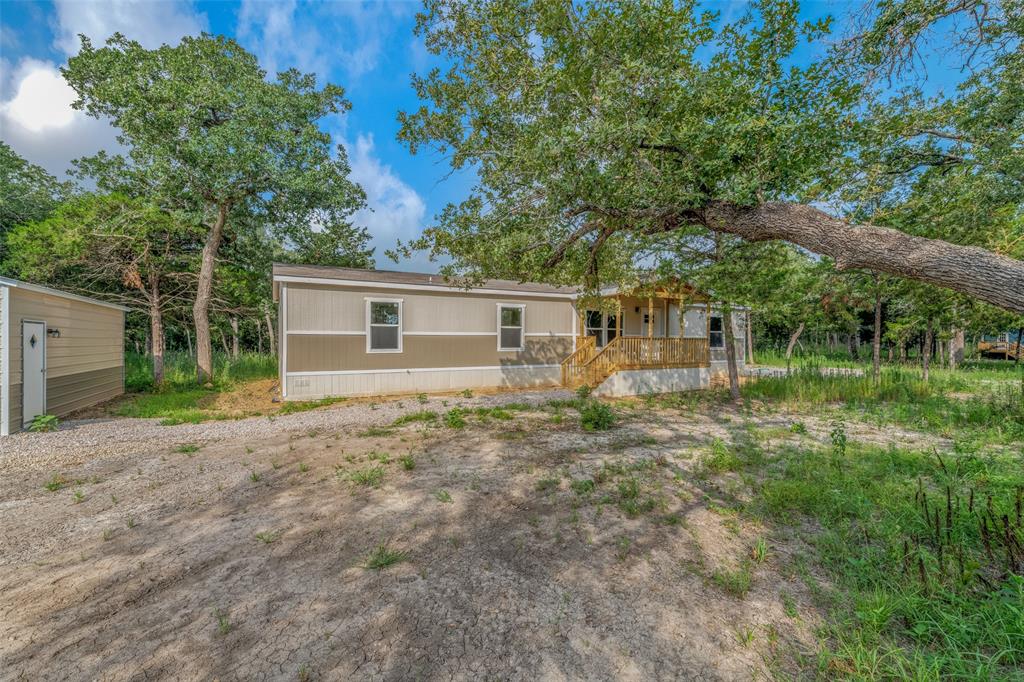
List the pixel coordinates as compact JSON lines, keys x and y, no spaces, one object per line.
{"x":572,"y":366}
{"x":636,"y":352}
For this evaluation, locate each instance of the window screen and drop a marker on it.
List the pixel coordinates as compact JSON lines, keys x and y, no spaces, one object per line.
{"x":385,"y":325}
{"x":510,"y":332}
{"x":717,"y":336}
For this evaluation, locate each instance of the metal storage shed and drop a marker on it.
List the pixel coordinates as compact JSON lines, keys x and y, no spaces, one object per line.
{"x":59,"y":352}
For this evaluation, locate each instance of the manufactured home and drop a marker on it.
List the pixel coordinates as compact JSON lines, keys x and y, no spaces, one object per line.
{"x":353,"y":332}
{"x":59,"y":352}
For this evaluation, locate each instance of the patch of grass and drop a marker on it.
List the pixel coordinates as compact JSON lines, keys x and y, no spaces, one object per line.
{"x":582,"y":486}
{"x":267,"y":537}
{"x":917,"y":546}
{"x":130,"y":522}
{"x":376,"y":432}
{"x":303,"y":467}
{"x":56,"y":483}
{"x":254,"y":477}
{"x":414,"y":417}
{"x":485,"y":413}
{"x":295,"y":406}
{"x":187,"y":448}
{"x":596,"y":416}
{"x":720,"y":458}
{"x":422,"y":399}
{"x":371,"y":477}
{"x":546,"y":484}
{"x":78,"y":496}
{"x":408,"y":462}
{"x":223,"y":624}
{"x":383,"y":556}
{"x":759,"y":552}
{"x":467,"y":393}
{"x":454,"y":418}
{"x":443,"y":496}
{"x":735,"y":582}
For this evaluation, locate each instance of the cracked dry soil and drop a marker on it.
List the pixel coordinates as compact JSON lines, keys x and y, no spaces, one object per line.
{"x":156,"y":572}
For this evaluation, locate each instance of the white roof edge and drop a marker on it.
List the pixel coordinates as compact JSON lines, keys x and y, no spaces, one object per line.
{"x":39,"y":289}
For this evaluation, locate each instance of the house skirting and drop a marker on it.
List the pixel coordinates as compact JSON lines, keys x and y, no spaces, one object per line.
{"x":316,"y":385}
{"x":641,"y":381}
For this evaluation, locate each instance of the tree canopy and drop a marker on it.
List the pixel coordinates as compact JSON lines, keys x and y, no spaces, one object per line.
{"x":595,"y":127}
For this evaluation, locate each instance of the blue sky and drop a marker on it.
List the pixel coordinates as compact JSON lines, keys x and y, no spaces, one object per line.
{"x":368,"y":48}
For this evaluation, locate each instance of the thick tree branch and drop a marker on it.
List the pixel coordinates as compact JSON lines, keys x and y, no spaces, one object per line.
{"x":988,"y":276}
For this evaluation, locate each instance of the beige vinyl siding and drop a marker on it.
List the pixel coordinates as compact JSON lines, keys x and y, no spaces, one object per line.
{"x":84,"y":365}
{"x":308,"y":353}
{"x":325,"y":308}
{"x":449,"y":341}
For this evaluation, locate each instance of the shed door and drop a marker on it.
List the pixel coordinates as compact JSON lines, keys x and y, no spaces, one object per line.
{"x":33,"y":367}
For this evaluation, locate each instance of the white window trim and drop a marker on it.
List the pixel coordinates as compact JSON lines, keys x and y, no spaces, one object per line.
{"x":401,"y":323}
{"x":522,"y":326}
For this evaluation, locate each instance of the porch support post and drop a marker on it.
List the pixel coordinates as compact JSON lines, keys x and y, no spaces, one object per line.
{"x":650,"y":328}
{"x":618,"y":317}
{"x":650,"y":317}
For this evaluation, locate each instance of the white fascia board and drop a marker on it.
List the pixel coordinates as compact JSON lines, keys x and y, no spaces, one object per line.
{"x":18,"y":284}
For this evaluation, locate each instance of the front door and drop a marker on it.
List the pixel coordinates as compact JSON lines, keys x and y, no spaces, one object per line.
{"x":33,"y":371}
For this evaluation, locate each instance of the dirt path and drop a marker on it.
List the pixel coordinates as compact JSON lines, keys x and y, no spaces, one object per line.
{"x":245,"y":559}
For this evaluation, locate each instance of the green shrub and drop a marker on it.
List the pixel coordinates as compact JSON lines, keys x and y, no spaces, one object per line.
{"x":43,"y":422}
{"x":596,"y":416}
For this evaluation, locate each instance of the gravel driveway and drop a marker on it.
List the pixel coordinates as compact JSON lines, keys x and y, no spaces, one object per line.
{"x":245,"y":556}
{"x":76,"y":440}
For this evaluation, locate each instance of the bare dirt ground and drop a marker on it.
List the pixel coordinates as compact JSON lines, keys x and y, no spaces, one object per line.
{"x":246,"y":558}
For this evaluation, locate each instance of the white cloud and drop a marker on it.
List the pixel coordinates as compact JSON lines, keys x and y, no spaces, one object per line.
{"x":35,"y":102}
{"x":38,"y":122}
{"x":43,"y":99}
{"x":349,"y":36}
{"x":152,"y":23}
{"x":395,"y":210}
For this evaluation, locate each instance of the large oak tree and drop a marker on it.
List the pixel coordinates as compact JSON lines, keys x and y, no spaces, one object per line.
{"x":219,"y":142}
{"x":594,"y":127}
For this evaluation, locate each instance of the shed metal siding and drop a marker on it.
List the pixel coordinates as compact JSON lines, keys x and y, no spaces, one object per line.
{"x":84,"y":365}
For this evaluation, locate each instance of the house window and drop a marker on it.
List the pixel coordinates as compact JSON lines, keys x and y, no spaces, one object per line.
{"x":510,"y":327}
{"x":717,"y":332}
{"x":384,"y":325}
{"x":593,"y":325}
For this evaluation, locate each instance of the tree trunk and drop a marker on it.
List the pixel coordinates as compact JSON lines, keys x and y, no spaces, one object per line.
{"x":156,"y":329}
{"x":903,"y":352}
{"x":204,"y":290}
{"x":730,"y":353}
{"x":985,"y":275}
{"x":750,"y":339}
{"x":259,"y":338}
{"x":234,"y":337}
{"x":1020,"y":345}
{"x":793,"y":338}
{"x":188,"y":337}
{"x":851,"y":345}
{"x":926,"y":351}
{"x":271,"y":339}
{"x":876,"y":338}
{"x":956,"y":348}
{"x":224,"y":341}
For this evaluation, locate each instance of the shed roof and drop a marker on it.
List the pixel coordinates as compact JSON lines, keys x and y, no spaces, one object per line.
{"x":39,"y":289}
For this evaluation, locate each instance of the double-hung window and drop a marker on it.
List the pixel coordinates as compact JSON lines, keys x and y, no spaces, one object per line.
{"x":716,"y":332}
{"x":511,"y":326}
{"x":383,"y":325}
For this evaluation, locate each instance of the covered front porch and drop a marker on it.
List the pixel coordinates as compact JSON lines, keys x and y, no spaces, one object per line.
{"x":662,"y":330}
